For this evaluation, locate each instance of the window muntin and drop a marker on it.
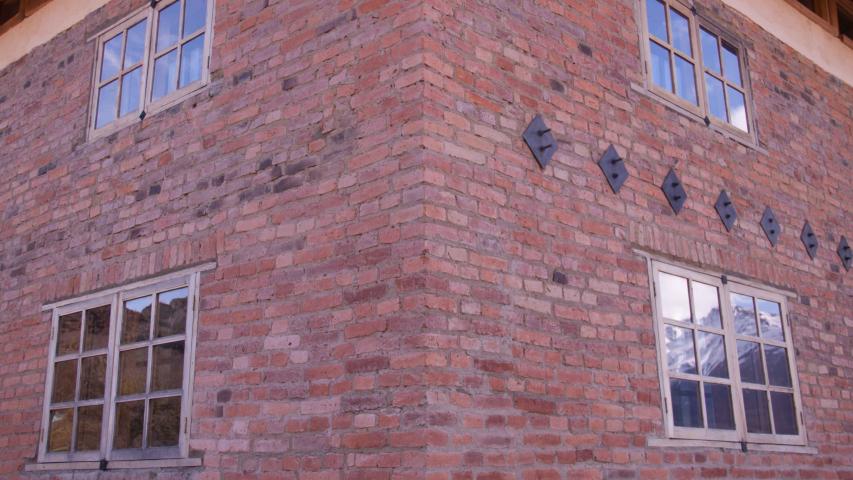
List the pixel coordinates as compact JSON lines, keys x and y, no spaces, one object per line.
{"x":119,"y":373}
{"x":693,"y":66}
{"x":727,"y":366}
{"x":150,"y":60}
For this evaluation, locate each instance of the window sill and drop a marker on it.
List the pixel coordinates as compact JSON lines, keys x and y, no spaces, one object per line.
{"x":750,"y":447}
{"x":114,"y":465}
{"x":748,"y":142}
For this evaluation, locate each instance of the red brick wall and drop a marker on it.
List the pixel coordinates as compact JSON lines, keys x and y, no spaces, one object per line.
{"x":382,"y":304}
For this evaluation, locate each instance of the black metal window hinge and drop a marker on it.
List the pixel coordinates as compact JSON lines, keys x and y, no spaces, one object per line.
{"x":724,"y":279}
{"x":153,"y":3}
{"x":103,"y":464}
{"x":743,"y":447}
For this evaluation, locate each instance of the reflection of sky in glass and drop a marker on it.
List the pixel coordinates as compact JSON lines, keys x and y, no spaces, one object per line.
{"x":679,"y":350}
{"x":770,"y":319}
{"x":674,"y":297}
{"x":680,"y":32}
{"x":112,"y":57}
{"x":737,"y":109}
{"x":135,"y":44}
{"x":744,"y":312}
{"x":685,"y":81}
{"x":661,"y":75}
{"x":655,"y":19}
{"x":731,"y":66}
{"x":710,"y":53}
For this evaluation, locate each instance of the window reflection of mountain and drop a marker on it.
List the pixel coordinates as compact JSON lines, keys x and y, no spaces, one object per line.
{"x":172,"y":316}
{"x":680,"y":352}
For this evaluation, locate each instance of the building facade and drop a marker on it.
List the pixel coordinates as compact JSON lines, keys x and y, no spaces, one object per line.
{"x":426,"y":239}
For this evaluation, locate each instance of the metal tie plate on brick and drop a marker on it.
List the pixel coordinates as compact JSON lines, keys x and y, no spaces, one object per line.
{"x":540,"y":141}
{"x":846,"y":253}
{"x":674,"y":191}
{"x":614,"y":169}
{"x":726,"y":210}
{"x":771,"y":226}
{"x":809,"y":240}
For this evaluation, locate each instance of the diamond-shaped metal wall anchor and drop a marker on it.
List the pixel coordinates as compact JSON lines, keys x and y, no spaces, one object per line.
{"x":809,"y":240}
{"x":846,"y":253}
{"x":540,"y":141}
{"x":674,"y":191}
{"x":771,"y":226}
{"x":614,"y":169}
{"x":726,"y":210}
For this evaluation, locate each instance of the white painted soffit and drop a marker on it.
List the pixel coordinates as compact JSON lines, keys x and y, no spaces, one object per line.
{"x":800,"y":33}
{"x":47,"y":22}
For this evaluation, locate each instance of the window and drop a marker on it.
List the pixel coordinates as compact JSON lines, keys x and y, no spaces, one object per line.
{"x":119,"y":374}
{"x":149,"y":61}
{"x":727,"y":364}
{"x":695,"y":67}
{"x":834,"y":15}
{"x":13,"y":12}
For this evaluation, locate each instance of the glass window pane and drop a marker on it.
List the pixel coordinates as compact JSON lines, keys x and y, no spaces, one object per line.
{"x":706,"y":305}
{"x":680,"y":32}
{"x":97,"y":328}
{"x":89,"y":428}
{"x":656,"y":18}
{"x":135,"y":44}
{"x":165,"y":75}
{"x":168,"y":372}
{"x":783,"y":413}
{"x":744,"y":312}
{"x":195,"y":16}
{"x":731,"y":64}
{"x":757,"y":413}
{"x":137,"y":318}
{"x":59,"y":435}
{"x":749,"y":358}
{"x":737,"y":109}
{"x":685,"y":80}
{"x":191,"y":61}
{"x":106,"y":104}
{"x":130,"y":85}
{"x":171,"y":313}
{"x":716,"y":101}
{"x":93,"y":373}
{"x":712,"y":355}
{"x":777,"y":366}
{"x":64,"y":381}
{"x":167,"y":26}
{"x":68,"y":339}
{"x":718,"y":405}
{"x":132,"y":370}
{"x":770,"y":320}
{"x":680,"y":355}
{"x":112,"y":58}
{"x":675,"y":300}
{"x":686,"y":408}
{"x":661,"y":75}
{"x":710,"y":51}
{"x":129,"y":418}
{"x":164,"y":423}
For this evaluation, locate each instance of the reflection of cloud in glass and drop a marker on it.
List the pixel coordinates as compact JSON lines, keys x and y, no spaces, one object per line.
{"x":674,"y":298}
{"x":744,"y":312}
{"x":679,"y":350}
{"x":706,"y":304}
{"x":770,"y":320}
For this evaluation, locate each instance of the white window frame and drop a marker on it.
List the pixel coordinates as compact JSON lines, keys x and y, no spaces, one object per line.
{"x":115,"y":297}
{"x":724,"y":289}
{"x":697,"y":22}
{"x":146,"y":104}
